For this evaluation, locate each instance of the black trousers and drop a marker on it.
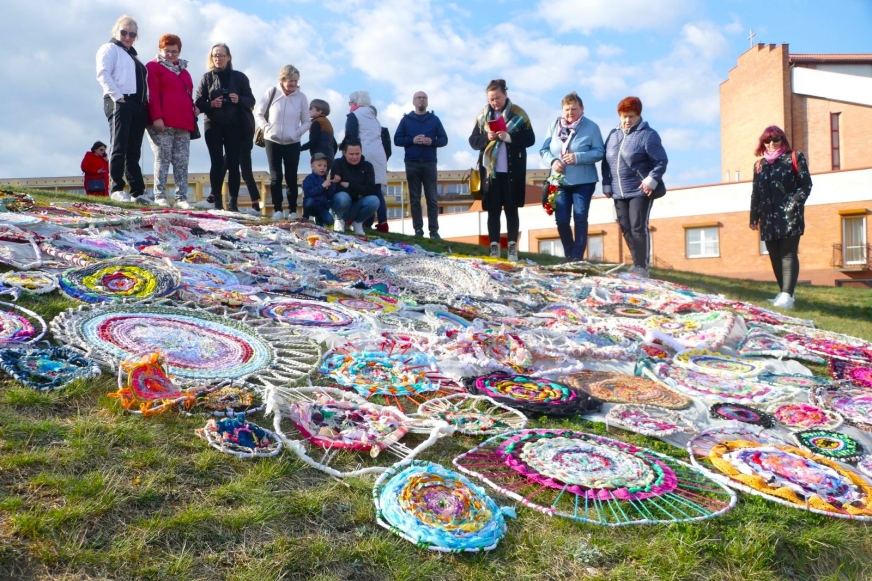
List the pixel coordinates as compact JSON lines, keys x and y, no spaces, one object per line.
{"x":633,"y":216}
{"x":423,"y":173}
{"x":289,"y":156}
{"x":224,"y":142}
{"x":126,"y":129}
{"x":783,"y":254}
{"x":246,"y":172}
{"x":499,"y":198}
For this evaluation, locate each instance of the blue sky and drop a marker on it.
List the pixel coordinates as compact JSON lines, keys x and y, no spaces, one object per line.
{"x":673,"y":54}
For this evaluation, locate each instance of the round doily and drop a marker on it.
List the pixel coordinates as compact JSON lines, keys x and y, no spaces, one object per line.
{"x":114,"y":280}
{"x":438,"y":509}
{"x":829,"y":444}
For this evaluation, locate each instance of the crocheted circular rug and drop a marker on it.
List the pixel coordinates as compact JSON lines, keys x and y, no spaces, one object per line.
{"x":48,"y":368}
{"x":438,"y":509}
{"x":19,"y":326}
{"x":829,"y":444}
{"x":533,"y":395}
{"x":740,"y":413}
{"x":619,"y":388}
{"x":769,"y":467}
{"x":594,"y":479}
{"x":124,"y":278}
{"x":804,"y":416}
{"x":240,"y":438}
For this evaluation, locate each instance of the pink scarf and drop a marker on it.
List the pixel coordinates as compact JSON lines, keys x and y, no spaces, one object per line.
{"x":354,"y":108}
{"x":771,"y":157}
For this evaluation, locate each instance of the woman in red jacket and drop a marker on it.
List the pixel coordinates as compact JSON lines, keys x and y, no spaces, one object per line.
{"x":96,"y":168}
{"x":171,"y":113}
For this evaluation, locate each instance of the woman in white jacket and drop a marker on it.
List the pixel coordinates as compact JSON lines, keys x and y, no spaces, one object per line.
{"x":283,"y":114}
{"x":361,"y":125}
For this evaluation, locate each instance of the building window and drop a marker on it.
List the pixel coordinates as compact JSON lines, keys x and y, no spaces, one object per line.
{"x":595,"y":248}
{"x":738,"y":176}
{"x":834,"y":130}
{"x":456,"y":209}
{"x":396,"y":191}
{"x":854,"y":239}
{"x":395,"y":212}
{"x":552,"y":247}
{"x":701,"y":242}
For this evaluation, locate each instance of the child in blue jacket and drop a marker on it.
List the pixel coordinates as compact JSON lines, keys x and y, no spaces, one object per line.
{"x":318,"y":191}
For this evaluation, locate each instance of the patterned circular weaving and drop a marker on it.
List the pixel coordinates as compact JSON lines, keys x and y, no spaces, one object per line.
{"x":46,"y":369}
{"x":853,"y":403}
{"x":438,"y":509}
{"x":32,"y":281}
{"x":619,"y":388}
{"x":370,"y":303}
{"x":148,"y":388}
{"x":859,"y":375}
{"x":19,"y":326}
{"x":473,"y":415}
{"x":740,"y":413}
{"x":205,"y":274}
{"x":710,"y":363}
{"x":628,"y":311}
{"x":125,"y":278}
{"x":849,"y":348}
{"x":715,"y":389}
{"x":240,"y":438}
{"x":19,"y":219}
{"x":532,"y":394}
{"x":795,"y":381}
{"x":803,"y":416}
{"x":594,"y":479}
{"x":864,"y":465}
{"x":829,"y":444}
{"x":308,"y":314}
{"x":648,"y":420}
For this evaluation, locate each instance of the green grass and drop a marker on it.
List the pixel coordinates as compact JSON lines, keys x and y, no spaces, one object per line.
{"x":90,"y":492}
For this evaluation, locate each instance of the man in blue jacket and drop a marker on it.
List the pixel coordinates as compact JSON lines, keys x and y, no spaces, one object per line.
{"x":420,"y":133}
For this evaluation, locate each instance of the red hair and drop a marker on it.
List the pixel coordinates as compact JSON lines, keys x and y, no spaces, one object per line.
{"x":768,"y":133}
{"x":169,"y":40}
{"x":628,"y":104}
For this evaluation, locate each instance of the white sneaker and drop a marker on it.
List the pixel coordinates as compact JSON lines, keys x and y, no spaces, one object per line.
{"x":775,"y":298}
{"x":162,"y":203}
{"x":339,"y":225}
{"x":204,"y":205}
{"x":278,"y":216}
{"x":358,"y":228}
{"x":292,"y":216}
{"x":513,"y":252}
{"x":494,"y":250}
{"x":249,"y":212}
{"x":182,"y":205}
{"x":144,"y":199}
{"x":120,"y":196}
{"x":783,"y":301}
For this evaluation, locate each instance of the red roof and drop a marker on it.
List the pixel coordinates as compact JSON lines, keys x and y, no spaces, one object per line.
{"x":831,"y":58}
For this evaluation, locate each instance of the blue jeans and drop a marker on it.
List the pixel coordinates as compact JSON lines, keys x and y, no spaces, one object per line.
{"x":359,"y":211}
{"x":320,"y":209}
{"x":573,"y":201}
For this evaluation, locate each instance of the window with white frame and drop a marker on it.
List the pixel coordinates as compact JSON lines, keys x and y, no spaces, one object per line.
{"x":396,"y":191}
{"x":455,"y":209}
{"x":395,"y":212}
{"x":702,"y":242}
{"x":595,"y":248}
{"x":552,"y":246}
{"x":854,"y":239}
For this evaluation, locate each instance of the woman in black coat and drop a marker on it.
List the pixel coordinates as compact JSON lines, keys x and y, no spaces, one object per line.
{"x":782,"y":184}
{"x":502,"y":134}
{"x":224,"y":95}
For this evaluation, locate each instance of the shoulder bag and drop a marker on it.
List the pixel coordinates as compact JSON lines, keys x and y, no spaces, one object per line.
{"x":258,"y":133}
{"x":658,"y":192}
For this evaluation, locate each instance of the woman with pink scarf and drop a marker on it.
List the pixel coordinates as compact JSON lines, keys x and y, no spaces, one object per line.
{"x":782,"y":184}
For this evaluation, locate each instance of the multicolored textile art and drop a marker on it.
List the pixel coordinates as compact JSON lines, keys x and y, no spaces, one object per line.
{"x":148,"y":389}
{"x":648,"y":420}
{"x":533,"y":395}
{"x":803,"y":416}
{"x":829,"y":444}
{"x":46,"y":369}
{"x":859,"y":375}
{"x":438,"y":509}
{"x":740,"y":413}
{"x":853,"y":403}
{"x":618,"y":388}
{"x":240,"y":438}
{"x":32,"y":281}
{"x":473,"y":415}
{"x":594,"y":479}
{"x":709,"y":363}
{"x":19,"y":326}
{"x":125,"y":278}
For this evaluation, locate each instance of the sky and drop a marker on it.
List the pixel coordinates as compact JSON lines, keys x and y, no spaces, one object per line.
{"x":672,"y":54}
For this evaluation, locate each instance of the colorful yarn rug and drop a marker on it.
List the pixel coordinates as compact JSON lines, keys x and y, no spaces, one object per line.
{"x":706,"y":331}
{"x":145,"y":387}
{"x":793,"y":380}
{"x":438,"y":509}
{"x":594,"y":479}
{"x":718,"y":364}
{"x":853,"y":403}
{"x":46,"y":369}
{"x":740,"y":413}
{"x":829,"y":444}
{"x":803,"y":416}
{"x":786,"y":474}
{"x":473,"y":415}
{"x":859,"y":375}
{"x":240,"y":438}
{"x":124,"y":278}
{"x":314,"y":314}
{"x":533,"y":395}
{"x":31,"y":281}
{"x":619,"y":388}
{"x":19,"y":326}
{"x":648,"y":420}
{"x":227,"y":401}
{"x":759,"y":342}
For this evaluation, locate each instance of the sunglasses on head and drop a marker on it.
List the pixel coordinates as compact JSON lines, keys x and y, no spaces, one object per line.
{"x":772,"y":140}
{"x":125,"y":33}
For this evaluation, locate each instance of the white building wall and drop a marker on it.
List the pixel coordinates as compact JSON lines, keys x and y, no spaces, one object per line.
{"x":833,"y":86}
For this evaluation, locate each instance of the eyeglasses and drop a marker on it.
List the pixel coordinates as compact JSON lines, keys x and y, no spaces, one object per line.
{"x":421,"y":97}
{"x":219,"y":56}
{"x":171,"y":51}
{"x":126,"y":33}
{"x":772,"y":140}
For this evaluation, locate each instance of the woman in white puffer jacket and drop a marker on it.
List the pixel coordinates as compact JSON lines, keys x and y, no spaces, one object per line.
{"x":362,"y":125}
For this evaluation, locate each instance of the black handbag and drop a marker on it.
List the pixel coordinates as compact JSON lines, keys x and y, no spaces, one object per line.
{"x":195,"y":134}
{"x":658,"y":192}
{"x":95,"y":185}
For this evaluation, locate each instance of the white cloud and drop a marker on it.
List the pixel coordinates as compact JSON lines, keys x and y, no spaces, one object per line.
{"x":608,"y":51}
{"x":626,"y":16}
{"x":688,"y":139}
{"x":735,"y":26}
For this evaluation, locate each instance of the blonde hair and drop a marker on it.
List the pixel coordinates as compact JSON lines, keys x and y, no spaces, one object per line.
{"x":288,"y":72}
{"x":572,"y":98}
{"x":210,"y":65}
{"x":121,"y":22}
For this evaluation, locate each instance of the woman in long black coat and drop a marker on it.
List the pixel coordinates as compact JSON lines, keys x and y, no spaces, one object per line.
{"x":782,"y":184}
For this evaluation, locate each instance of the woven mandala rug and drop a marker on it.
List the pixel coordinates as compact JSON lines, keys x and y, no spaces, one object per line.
{"x":123,"y":278}
{"x":240,"y":438}
{"x":619,"y":388}
{"x":853,"y":403}
{"x":19,"y":326}
{"x":737,"y":412}
{"x":594,"y":479}
{"x":804,"y":416}
{"x":718,"y":364}
{"x":714,"y":389}
{"x":438,"y":509}
{"x":649,"y":420}
{"x":32,"y":281}
{"x":473,"y":415}
{"x":46,"y":369}
{"x":533,"y":395}
{"x":829,"y":444}
{"x":856,"y":374}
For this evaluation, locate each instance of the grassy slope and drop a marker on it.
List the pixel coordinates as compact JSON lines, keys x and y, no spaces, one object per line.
{"x":87,"y":491}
